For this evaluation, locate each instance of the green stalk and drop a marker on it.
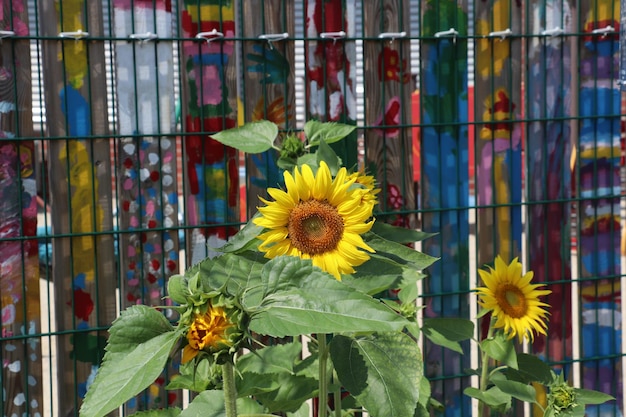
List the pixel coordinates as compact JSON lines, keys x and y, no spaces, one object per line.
{"x":337,"y":395}
{"x":484,"y":375}
{"x":230,"y":391}
{"x":323,"y":376}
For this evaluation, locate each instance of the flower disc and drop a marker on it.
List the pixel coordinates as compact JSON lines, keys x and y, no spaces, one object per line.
{"x":513,"y":300}
{"x":319,"y":218}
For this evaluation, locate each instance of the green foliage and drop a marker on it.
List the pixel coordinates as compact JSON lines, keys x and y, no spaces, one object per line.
{"x":448,"y":332}
{"x":329,"y":132}
{"x":255,"y":137}
{"x":382,"y":371}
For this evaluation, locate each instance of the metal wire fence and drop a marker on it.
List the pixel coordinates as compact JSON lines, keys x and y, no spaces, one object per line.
{"x":496,"y":124}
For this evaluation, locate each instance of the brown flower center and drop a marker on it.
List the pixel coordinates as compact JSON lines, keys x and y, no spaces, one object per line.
{"x":315,"y":227}
{"x":511,"y":300}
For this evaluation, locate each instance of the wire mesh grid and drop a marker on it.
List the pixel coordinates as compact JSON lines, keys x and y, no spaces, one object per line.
{"x":497,"y":125}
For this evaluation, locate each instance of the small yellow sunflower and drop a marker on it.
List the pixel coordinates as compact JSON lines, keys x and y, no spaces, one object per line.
{"x":317,"y":218}
{"x":208,"y":332}
{"x":367,"y":184}
{"x":513,"y":300}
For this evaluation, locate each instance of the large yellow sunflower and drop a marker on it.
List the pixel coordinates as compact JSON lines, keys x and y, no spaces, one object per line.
{"x":317,"y":218}
{"x":513,"y":300}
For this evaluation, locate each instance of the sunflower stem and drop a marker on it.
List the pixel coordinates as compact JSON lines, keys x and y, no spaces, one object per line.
{"x":484,"y":375}
{"x":323,"y":376}
{"x":230,"y":391}
{"x":336,"y":395}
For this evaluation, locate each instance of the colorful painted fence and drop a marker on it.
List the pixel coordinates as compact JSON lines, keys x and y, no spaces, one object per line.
{"x":495,"y":124}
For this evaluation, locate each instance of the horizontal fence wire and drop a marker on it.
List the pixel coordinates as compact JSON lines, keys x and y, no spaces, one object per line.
{"x":499,"y":125}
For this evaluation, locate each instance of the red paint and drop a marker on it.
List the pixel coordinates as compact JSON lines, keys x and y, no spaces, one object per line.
{"x":83,"y":304}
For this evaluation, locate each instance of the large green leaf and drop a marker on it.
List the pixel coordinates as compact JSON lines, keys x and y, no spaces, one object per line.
{"x":135,"y":325}
{"x":253,"y":137}
{"x":124,"y":376}
{"x":162,"y":412}
{"x":396,"y":252}
{"x":302,"y":299}
{"x":211,"y":404}
{"x":374,"y":276}
{"x":327,"y":154}
{"x":245,"y":239}
{"x":271,"y":359}
{"x":399,"y":234}
{"x":382,"y":371}
{"x":329,"y":132}
{"x":531,"y":368}
{"x":519,"y":390}
{"x":292,"y":391}
{"x":500,"y":348}
{"x":586,"y":396}
{"x":448,"y":332}
{"x":493,"y":397}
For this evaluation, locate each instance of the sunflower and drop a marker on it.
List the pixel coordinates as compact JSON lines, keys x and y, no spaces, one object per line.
{"x":208,"y":332}
{"x":317,"y":218}
{"x":367,"y":184}
{"x":513,"y":300}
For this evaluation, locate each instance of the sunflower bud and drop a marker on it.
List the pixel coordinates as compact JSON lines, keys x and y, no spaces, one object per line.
{"x":292,"y":148}
{"x":562,"y":398}
{"x":217,"y":332}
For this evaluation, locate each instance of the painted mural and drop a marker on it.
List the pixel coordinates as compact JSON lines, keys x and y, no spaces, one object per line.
{"x":19,"y":263}
{"x":599,"y":189}
{"x":331,"y":68}
{"x":444,"y":185}
{"x":211,"y":168}
{"x":549,"y":138}
{"x":148,"y":203}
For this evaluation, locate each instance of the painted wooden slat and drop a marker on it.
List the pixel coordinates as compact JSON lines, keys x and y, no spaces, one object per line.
{"x":548,"y":138}
{"x":22,"y":391}
{"x":268,"y":84}
{"x":388,"y":145}
{"x":147,"y":188}
{"x":599,"y":188}
{"x":330,"y":65}
{"x":444,"y":187}
{"x":83,"y":265}
{"x":498,"y":146}
{"x":209,"y":105}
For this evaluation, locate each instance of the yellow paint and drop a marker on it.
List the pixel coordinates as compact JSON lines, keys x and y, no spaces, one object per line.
{"x":503,"y":214}
{"x":487,"y":132}
{"x":86,"y":215}
{"x":603,"y":10}
{"x":601,"y":152}
{"x":491,"y":52}
{"x":601,"y":290}
{"x":74,"y":52}
{"x":211,"y":13}
{"x":588,"y":222}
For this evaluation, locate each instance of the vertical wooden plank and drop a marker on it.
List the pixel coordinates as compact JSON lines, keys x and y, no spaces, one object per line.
{"x":330,"y":65}
{"x":80,"y":188}
{"x":388,"y":145}
{"x":444,"y":187}
{"x":268,"y":84}
{"x":209,"y":105}
{"x":549,"y":137}
{"x":22,"y":392}
{"x":498,"y":137}
{"x":599,"y":188}
{"x":147,"y":196}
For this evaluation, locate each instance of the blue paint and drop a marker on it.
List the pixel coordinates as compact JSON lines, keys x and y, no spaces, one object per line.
{"x":79,"y":116}
{"x":218,"y":60}
{"x":79,"y":281}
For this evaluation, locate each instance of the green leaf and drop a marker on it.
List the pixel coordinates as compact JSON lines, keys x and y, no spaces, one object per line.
{"x":303,"y":299}
{"x":121,"y":379}
{"x":252,"y":384}
{"x":587,"y":396}
{"x":447,"y":332}
{"x":493,"y":397}
{"x":309,"y":159}
{"x":375,"y":276}
{"x":177,"y":289}
{"x":501,"y":349}
{"x":531,"y":368}
{"x":286,"y":163}
{"x":211,"y":404}
{"x":519,"y":390}
{"x":271,"y":359}
{"x":398,"y":253}
{"x":253,"y":137}
{"x":136,"y":325}
{"x":245,"y":239}
{"x":162,"y":412}
{"x":329,"y":132}
{"x":303,"y":411}
{"x":292,"y":391}
{"x":399,"y":234}
{"x":382,"y":371}
{"x":327,"y":154}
